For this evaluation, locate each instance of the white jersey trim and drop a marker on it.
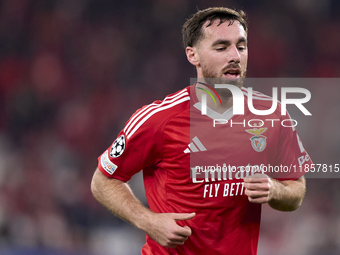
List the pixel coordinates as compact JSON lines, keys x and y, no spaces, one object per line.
{"x":155,"y":111}
{"x":138,"y":120}
{"x":257,"y":95}
{"x":142,"y":112}
{"x":150,"y":107}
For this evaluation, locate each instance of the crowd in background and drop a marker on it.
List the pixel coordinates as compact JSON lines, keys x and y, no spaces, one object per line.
{"x":71,"y":74}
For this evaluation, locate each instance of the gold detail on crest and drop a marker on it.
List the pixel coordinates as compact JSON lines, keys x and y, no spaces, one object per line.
{"x":256,"y":132}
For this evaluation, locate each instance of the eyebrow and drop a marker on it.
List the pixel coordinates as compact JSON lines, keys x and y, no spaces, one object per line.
{"x":227,"y":42}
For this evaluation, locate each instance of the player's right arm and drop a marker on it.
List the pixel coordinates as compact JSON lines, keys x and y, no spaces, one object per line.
{"x":138,"y":146}
{"x":117,"y":196}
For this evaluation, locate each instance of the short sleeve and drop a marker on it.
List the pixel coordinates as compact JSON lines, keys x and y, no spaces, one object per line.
{"x":291,"y":158}
{"x":137,"y":146}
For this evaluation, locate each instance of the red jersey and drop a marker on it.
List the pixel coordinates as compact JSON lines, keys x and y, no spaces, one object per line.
{"x":196,"y":163}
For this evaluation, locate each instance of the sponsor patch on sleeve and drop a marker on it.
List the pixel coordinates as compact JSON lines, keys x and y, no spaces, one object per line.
{"x":107,"y":164}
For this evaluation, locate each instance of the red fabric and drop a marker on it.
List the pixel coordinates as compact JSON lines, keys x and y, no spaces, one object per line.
{"x":225,"y":222}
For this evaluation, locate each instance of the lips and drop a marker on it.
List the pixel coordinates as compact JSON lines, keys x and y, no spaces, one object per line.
{"x":232,"y":74}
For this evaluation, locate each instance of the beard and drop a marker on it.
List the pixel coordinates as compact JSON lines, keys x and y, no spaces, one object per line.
{"x":212,"y":77}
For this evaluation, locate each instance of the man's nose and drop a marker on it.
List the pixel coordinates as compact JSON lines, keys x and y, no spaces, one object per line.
{"x":234,"y":54}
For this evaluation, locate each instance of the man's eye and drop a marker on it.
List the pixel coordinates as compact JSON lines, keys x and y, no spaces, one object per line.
{"x":220,"y":49}
{"x":241,"y":48}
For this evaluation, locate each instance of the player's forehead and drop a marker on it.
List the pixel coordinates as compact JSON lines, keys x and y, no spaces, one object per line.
{"x":229,"y":29}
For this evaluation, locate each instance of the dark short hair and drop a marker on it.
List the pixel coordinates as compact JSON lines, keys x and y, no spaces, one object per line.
{"x":192,"y":28}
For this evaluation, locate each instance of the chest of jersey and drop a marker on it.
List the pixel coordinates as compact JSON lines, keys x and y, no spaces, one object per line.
{"x":205,"y":162}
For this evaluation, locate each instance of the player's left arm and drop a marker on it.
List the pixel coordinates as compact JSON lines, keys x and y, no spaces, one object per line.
{"x":285,"y":195}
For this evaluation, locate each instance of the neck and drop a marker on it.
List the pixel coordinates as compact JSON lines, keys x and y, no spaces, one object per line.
{"x":225,"y":96}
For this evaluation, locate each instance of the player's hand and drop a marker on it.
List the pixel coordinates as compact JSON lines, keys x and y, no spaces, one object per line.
{"x":259,"y":188}
{"x":167,"y":232}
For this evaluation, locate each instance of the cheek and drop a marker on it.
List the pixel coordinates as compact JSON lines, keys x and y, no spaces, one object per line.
{"x":208,"y":57}
{"x":214,"y":61}
{"x":244,"y":60}
{"x":206,"y":60}
{"x":211,"y":65}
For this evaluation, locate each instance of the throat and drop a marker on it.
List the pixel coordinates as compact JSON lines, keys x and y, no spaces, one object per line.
{"x":227,"y":103}
{"x":220,"y":103}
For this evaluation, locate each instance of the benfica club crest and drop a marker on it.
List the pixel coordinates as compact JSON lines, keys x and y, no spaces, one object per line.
{"x":258,"y":141}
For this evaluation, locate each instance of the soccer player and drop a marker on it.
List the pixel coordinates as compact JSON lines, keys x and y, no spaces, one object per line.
{"x":204,"y":183}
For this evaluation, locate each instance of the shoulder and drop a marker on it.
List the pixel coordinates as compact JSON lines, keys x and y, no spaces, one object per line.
{"x":151,"y":117}
{"x":261,"y":101}
{"x":257,"y":97}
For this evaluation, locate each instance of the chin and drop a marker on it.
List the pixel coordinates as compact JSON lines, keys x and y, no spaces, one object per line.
{"x":238,"y":82}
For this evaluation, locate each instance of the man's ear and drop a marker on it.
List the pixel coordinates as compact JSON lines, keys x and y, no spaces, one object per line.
{"x":192,"y":55}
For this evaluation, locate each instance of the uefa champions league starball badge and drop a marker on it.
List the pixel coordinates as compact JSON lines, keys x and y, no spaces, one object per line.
{"x":118,"y":147}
